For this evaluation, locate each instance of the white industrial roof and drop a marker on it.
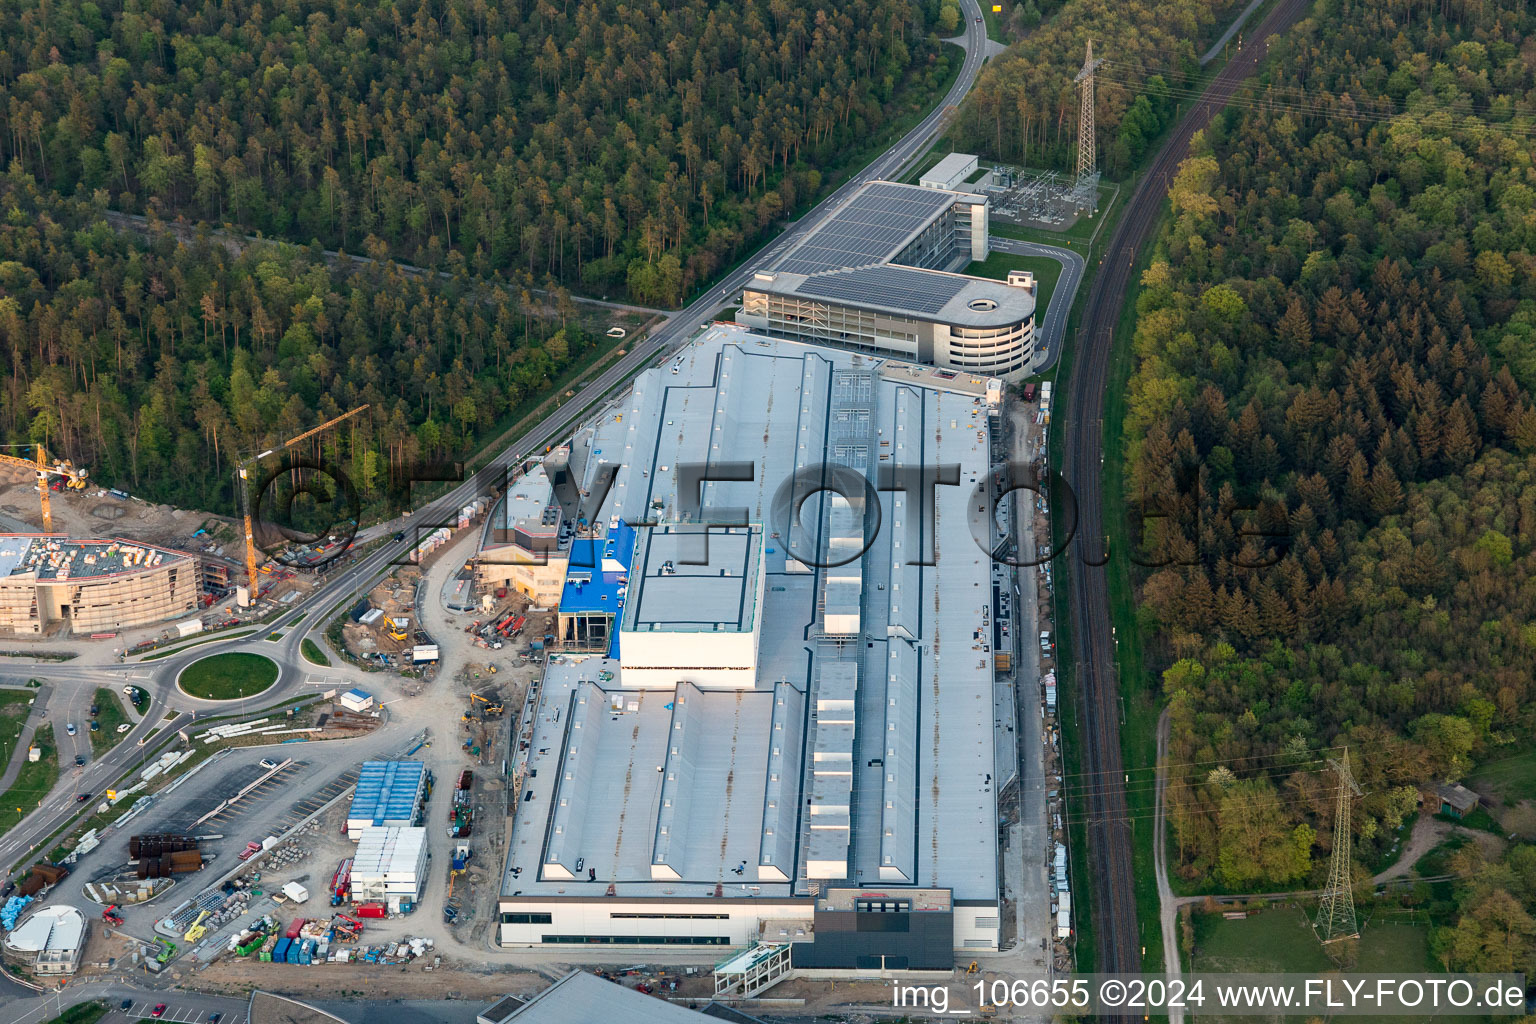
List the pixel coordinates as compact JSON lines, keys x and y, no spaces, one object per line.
{"x":919,"y":741}
{"x":669,"y":591}
{"x":52,"y":929}
{"x":389,"y":853}
{"x":952,"y":165}
{"x":585,"y":997}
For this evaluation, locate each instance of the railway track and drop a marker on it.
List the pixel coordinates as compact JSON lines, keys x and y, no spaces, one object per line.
{"x":1109,"y":830}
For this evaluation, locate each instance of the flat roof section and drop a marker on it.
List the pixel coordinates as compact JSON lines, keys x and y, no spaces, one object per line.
{"x":671,"y":595}
{"x":951,"y":168}
{"x":527,"y":500}
{"x":54,"y":559}
{"x":823,"y":732}
{"x":934,"y":295}
{"x":613,"y":797}
{"x":872,"y":227}
{"x":585,"y":997}
{"x":386,"y":791}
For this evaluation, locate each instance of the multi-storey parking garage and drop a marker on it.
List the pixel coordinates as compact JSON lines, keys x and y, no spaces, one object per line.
{"x":878,"y":276}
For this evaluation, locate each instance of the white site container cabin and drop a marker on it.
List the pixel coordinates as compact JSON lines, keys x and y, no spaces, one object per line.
{"x":187,"y":627}
{"x":424,"y":652}
{"x":295,"y":892}
{"x":390,"y":865}
{"x":356,"y":700}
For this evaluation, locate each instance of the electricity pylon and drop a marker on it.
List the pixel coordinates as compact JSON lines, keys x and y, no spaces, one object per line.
{"x":1087,"y":159}
{"x":1336,"y":911}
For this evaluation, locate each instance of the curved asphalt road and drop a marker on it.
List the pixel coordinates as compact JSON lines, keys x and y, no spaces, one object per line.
{"x":1109,"y":830}
{"x":1049,"y":332}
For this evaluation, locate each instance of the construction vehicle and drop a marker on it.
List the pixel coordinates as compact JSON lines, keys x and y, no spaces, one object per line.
{"x":251,"y":571}
{"x":198,"y":930}
{"x":66,"y":472}
{"x":112,"y":917}
{"x":458,"y":865}
{"x":341,"y":882}
{"x":167,"y":950}
{"x":493,"y":708}
{"x":346,"y":928}
{"x":397,"y":635}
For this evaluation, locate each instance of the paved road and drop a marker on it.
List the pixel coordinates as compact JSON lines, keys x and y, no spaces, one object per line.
{"x":1109,"y":830}
{"x":27,"y":1007}
{"x":1049,"y":332}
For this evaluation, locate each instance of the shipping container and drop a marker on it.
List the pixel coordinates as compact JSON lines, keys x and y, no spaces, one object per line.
{"x":280,"y":951}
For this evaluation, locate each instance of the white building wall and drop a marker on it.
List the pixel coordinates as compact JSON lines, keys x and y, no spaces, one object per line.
{"x":735,"y":920}
{"x":976,"y":928}
{"x":979,"y":240}
{"x":659,"y":661}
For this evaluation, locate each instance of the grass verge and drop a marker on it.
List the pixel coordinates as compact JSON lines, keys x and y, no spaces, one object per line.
{"x":1138,"y":690}
{"x":82,"y":1013}
{"x":109,"y":717}
{"x":15,"y":705}
{"x":35,"y":781}
{"x":1047,"y":272}
{"x":231,"y":676}
{"x":313,"y":654}
{"x":237,"y":634}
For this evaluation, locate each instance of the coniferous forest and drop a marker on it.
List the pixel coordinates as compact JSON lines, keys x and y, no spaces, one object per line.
{"x":1336,"y":347}
{"x":624,"y":150}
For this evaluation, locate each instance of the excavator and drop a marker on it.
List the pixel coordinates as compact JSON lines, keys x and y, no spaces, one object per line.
{"x":493,"y":708}
{"x":72,"y":477}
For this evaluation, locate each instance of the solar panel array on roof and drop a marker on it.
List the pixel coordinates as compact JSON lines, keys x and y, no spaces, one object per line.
{"x":892,"y":287}
{"x":868,"y":230}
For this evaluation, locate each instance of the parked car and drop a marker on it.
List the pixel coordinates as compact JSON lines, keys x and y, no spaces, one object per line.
{"x":125,"y":1005}
{"x":95,"y":726}
{"x":158,"y":1011}
{"x":267,"y":762}
{"x":79,"y":760}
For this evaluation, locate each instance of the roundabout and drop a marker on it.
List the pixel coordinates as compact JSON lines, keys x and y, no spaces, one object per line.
{"x":232,"y":676}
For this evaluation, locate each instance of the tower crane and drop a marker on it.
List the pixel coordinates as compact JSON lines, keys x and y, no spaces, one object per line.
{"x":74,"y":478}
{"x":245,"y":496}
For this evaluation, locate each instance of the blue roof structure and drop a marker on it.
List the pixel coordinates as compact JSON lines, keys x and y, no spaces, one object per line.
{"x":387,"y":792}
{"x":359,"y":694}
{"x":597,"y":573}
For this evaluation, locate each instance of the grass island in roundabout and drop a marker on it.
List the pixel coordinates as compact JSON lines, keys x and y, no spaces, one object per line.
{"x":231,"y":676}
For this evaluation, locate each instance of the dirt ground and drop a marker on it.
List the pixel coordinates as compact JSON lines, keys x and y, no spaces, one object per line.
{"x":94,"y":513}
{"x":452,"y":980}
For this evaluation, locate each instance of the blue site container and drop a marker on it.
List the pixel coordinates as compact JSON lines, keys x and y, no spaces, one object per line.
{"x":280,"y":951}
{"x":307,"y":952}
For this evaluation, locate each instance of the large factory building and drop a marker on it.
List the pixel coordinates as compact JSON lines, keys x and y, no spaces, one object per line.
{"x":750,"y":747}
{"x":50,"y":583}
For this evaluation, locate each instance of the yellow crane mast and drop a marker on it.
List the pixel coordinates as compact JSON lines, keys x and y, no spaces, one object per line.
{"x":245,"y":497}
{"x":74,"y":478}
